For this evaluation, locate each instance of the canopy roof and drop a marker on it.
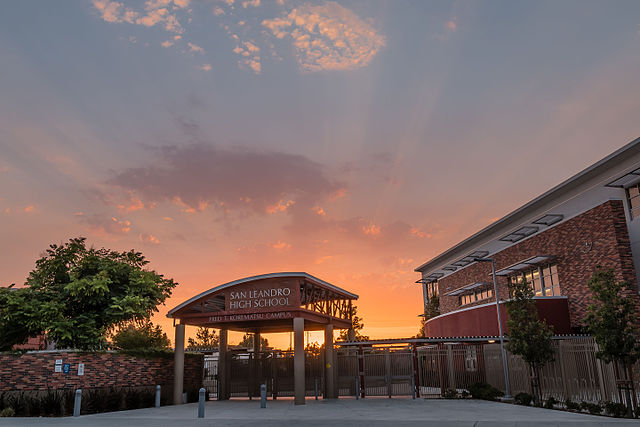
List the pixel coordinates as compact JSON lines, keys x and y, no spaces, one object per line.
{"x":268,"y":303}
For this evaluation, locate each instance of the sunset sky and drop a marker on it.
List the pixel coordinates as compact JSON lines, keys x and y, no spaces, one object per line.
{"x":352,"y":140}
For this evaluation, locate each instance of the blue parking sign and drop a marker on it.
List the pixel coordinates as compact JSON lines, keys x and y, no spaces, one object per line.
{"x":66,"y":368}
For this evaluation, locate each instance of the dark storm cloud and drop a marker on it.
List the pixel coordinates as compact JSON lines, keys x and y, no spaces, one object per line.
{"x":235,"y":179}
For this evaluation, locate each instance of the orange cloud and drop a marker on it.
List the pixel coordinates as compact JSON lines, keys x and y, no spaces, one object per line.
{"x":451,"y":24}
{"x":281,"y":206}
{"x":323,"y":259}
{"x":328,"y":37}
{"x":280,"y":245}
{"x":319,"y":211}
{"x":372,"y":230}
{"x":29,"y":208}
{"x":148,"y":238}
{"x":419,"y":233}
{"x":250,"y":53}
{"x":195,"y":48}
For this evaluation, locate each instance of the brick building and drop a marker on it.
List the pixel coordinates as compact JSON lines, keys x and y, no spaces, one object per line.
{"x":555,"y":242}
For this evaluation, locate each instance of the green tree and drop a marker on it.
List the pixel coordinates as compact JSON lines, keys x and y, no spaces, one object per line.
{"x":247,"y":342}
{"x":529,"y":336}
{"x":358,"y":324}
{"x":432,"y":309}
{"x":77,"y":295}
{"x":136,"y":337}
{"x":17,"y":317}
{"x":205,"y":337}
{"x":612,"y":321}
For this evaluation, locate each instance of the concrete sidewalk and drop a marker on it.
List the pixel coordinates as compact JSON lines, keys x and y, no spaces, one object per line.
{"x":344,"y":411}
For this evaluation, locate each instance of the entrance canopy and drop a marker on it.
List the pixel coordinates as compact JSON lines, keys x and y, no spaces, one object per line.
{"x":268,"y":303}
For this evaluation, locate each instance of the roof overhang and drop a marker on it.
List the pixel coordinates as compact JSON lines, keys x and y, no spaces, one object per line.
{"x":626,"y":158}
{"x":302,"y":275}
{"x":468,"y":288}
{"x":525,"y":264}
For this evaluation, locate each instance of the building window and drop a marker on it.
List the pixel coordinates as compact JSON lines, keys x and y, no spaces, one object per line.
{"x":543,"y":280}
{"x":633,"y":197}
{"x":432,"y":290}
{"x":475,"y":296}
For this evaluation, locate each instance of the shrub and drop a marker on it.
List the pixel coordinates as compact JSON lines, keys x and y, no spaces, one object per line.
{"x":551,"y":401}
{"x":132,"y":399}
{"x":51,"y":404}
{"x":592,"y":408}
{"x":523,"y":399}
{"x":20,"y":404}
{"x":571,"y":405}
{"x":464,"y":394}
{"x":615,"y":409}
{"x":484,"y":391}
{"x":7,"y":412}
{"x":450,"y":393}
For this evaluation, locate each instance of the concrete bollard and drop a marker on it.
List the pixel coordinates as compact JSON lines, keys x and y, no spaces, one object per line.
{"x":315,"y":383}
{"x":184,"y":398}
{"x":157,"y":396}
{"x":357,"y":388}
{"x":77,"y":403}
{"x":263,"y":395}
{"x":201,"y":394}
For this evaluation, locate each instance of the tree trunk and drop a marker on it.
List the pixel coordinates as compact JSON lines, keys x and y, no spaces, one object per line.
{"x":535,"y":385}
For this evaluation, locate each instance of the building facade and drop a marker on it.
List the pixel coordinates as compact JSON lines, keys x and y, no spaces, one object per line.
{"x":555,"y":243}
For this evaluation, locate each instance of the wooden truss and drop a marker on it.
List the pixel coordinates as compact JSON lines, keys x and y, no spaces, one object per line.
{"x":325,"y":301}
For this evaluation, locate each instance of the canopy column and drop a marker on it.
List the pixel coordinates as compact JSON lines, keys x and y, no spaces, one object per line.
{"x":298,"y":360}
{"x":178,"y":365}
{"x":329,"y":370}
{"x":223,"y":389}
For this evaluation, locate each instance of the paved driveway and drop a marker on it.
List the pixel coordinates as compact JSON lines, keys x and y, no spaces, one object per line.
{"x":395,"y":412}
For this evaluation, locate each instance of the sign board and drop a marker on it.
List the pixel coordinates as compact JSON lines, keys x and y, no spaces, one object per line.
{"x":58,"y":366}
{"x":80,"y":369}
{"x":66,"y":368}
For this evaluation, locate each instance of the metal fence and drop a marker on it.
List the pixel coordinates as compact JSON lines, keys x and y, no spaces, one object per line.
{"x":430,"y":370}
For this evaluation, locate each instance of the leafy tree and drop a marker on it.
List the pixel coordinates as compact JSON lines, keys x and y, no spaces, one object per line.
{"x":17,"y":319}
{"x":205,"y":337}
{"x":529,"y":336}
{"x":432,"y":309}
{"x":612,"y":321}
{"x":247,"y":342}
{"x":144,"y":336}
{"x":314,"y":349}
{"x":358,"y":324}
{"x":76,"y":295}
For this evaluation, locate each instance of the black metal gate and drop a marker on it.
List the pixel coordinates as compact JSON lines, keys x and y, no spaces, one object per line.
{"x":246,"y":373}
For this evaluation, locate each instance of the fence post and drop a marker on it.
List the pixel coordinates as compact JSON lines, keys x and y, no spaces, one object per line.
{"x":201,"y":394}
{"x":413,"y":387}
{"x":157,"y":396}
{"x":263,"y":395}
{"x":77,"y":403}
{"x":357,"y":387}
{"x":316,"y":387}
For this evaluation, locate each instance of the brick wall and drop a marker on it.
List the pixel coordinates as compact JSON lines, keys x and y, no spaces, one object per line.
{"x":36,"y":371}
{"x":598,"y":237}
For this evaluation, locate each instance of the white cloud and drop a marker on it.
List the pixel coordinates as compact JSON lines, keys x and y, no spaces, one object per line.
{"x":328,"y":37}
